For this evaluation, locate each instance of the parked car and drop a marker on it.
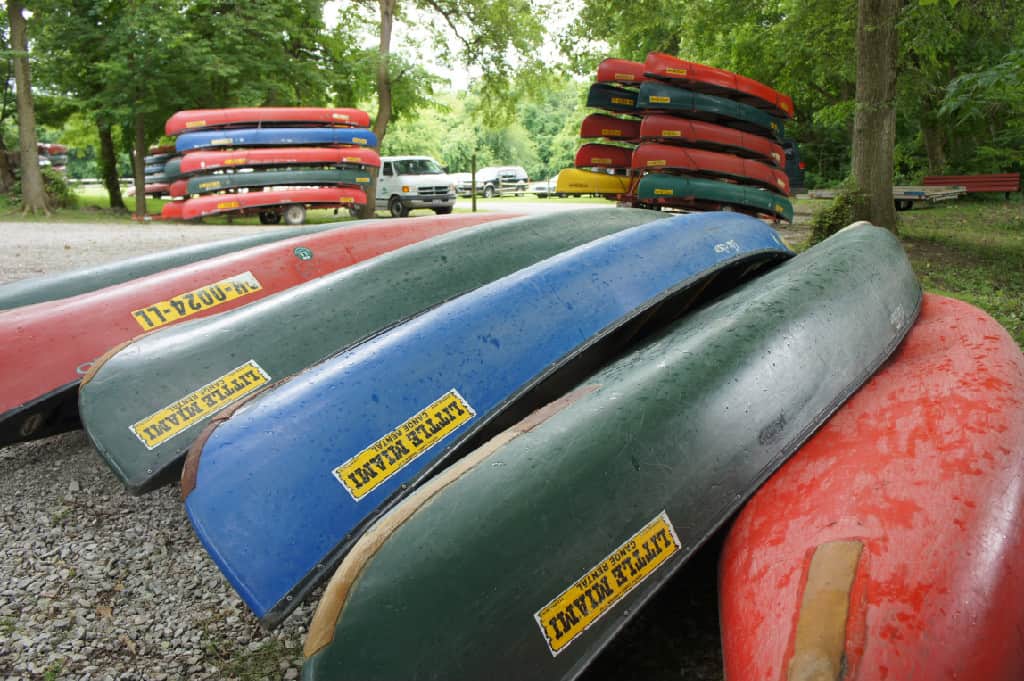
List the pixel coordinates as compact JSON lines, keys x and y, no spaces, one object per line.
{"x":544,"y":188}
{"x":408,"y":182}
{"x":496,"y":181}
{"x":794,"y":166}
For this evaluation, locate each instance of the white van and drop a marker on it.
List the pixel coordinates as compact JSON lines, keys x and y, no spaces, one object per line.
{"x":408,"y":182}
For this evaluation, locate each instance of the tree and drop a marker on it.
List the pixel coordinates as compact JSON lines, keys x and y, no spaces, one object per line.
{"x":874,"y":127}
{"x":32,"y":188}
{"x":7,"y":178}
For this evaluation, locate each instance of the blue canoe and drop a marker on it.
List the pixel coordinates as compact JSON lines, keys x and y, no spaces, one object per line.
{"x":278,"y":491}
{"x":272,"y":137}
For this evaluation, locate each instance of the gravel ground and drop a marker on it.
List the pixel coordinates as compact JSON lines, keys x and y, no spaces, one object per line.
{"x":97,"y":584}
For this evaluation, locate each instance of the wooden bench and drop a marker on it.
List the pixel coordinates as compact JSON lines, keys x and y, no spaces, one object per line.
{"x":1002,"y":182}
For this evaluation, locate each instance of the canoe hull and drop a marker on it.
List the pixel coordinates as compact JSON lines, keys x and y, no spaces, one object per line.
{"x":610,"y":127}
{"x":661,"y":189}
{"x":204,"y":119}
{"x":651,"y":156}
{"x":675,"y":130}
{"x":207,"y":161}
{"x":209,"y":184}
{"x":278,"y":137}
{"x":575,"y":181}
{"x":218,"y":204}
{"x":921,"y":471}
{"x":656,"y":97}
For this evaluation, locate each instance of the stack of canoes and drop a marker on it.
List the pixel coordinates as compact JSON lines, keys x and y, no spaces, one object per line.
{"x":678,"y":134}
{"x":273,"y":162}
{"x":157,"y":159}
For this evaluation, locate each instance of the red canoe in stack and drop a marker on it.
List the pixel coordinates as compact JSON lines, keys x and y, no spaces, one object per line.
{"x":207,"y":161}
{"x":714,"y":81}
{"x":200,"y":119}
{"x":214,"y":204}
{"x":604,"y":156}
{"x":693,"y":133}
{"x":610,"y":127}
{"x":891,"y":546}
{"x":620,"y":71}
{"x":46,"y":348}
{"x":659,"y":157}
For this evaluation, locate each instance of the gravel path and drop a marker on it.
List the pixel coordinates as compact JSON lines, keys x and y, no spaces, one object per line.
{"x":97,"y":584}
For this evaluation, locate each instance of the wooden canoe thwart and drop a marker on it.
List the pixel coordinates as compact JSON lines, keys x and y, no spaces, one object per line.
{"x":711,"y":80}
{"x":690,"y":133}
{"x":621,"y":71}
{"x":274,"y":157}
{"x":297,"y":328}
{"x":575,"y":181}
{"x":204,"y":119}
{"x":209,"y":184}
{"x":612,"y":98}
{"x":923,"y":469}
{"x":262,"y":137}
{"x":610,"y":127}
{"x":651,"y":156}
{"x":334,"y":446}
{"x":604,"y":156}
{"x":49,"y":347}
{"x":655,"y":97}
{"x":663,"y":189}
{"x":525,"y":558}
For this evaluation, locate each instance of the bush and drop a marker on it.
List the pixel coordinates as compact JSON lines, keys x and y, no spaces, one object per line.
{"x":843,"y":210}
{"x":58,"y":191}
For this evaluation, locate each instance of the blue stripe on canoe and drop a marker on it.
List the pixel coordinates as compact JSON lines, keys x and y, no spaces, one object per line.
{"x":266,"y":504}
{"x":262,"y":137}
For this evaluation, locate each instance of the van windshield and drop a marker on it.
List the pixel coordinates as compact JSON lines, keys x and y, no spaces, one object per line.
{"x":418,"y":166}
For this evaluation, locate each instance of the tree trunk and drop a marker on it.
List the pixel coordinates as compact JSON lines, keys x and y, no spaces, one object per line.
{"x":108,"y":165}
{"x":7,"y":178}
{"x":140,"y":165}
{"x":874,"y":126}
{"x":33,"y":192}
{"x":934,"y":145}
{"x":380,"y":125}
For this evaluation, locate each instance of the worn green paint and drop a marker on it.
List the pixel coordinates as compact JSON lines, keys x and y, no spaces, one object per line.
{"x":689,"y":423}
{"x":208,"y":184}
{"x":294,"y":329}
{"x":679,"y":188}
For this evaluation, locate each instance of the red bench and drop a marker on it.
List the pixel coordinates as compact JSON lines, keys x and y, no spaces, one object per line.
{"x":1003,"y":182}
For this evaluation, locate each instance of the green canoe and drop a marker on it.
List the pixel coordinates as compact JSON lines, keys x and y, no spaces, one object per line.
{"x":208,"y":184}
{"x":663,"y":189}
{"x":292,"y":330}
{"x":522,"y":560}
{"x":657,"y":96}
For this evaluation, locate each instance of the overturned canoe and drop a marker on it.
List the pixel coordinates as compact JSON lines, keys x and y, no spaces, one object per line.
{"x":662,"y":189}
{"x":526,"y":557}
{"x":662,"y":98}
{"x":675,"y":130}
{"x":652,"y":156}
{"x":279,"y":137}
{"x":275,"y":157}
{"x":67,"y":284}
{"x":203,"y":119}
{"x":45,"y":349}
{"x":612,"y":98}
{"x":574,"y":181}
{"x":216,"y":204}
{"x":604,"y":156}
{"x":621,"y":71}
{"x":891,"y":545}
{"x":711,"y":80}
{"x":610,"y":127}
{"x":344,"y":439}
{"x":208,"y":184}
{"x":295,"y":329}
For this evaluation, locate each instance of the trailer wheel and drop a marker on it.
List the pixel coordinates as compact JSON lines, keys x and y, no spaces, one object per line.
{"x":269,"y":217}
{"x":294,"y":214}
{"x":904,"y":204}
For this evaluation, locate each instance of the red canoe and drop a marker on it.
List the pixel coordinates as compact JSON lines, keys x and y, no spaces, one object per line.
{"x":654,"y":157}
{"x":604,"y":156}
{"x":202,"y":119}
{"x":200,"y":161}
{"x":215,"y":204}
{"x":610,"y":127}
{"x":47,"y":347}
{"x":891,"y":547}
{"x":687,"y":132}
{"x":620,"y":71}
{"x":161,"y":149}
{"x":711,"y":80}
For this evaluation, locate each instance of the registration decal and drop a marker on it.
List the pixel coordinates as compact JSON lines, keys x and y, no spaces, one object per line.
{"x":192,"y":302}
{"x":371,"y":467}
{"x":176,"y":418}
{"x":659,"y":99}
{"x":573,"y":611}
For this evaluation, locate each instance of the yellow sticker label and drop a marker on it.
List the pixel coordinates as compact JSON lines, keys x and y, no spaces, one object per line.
{"x":786,"y":107}
{"x":664,"y":192}
{"x":351,"y":159}
{"x":192,"y":302}
{"x":778,"y":181}
{"x":235,"y":161}
{"x":340,"y":116}
{"x":622,"y":100}
{"x":195,"y":124}
{"x":605,"y":161}
{"x":574,"y":610}
{"x":675,"y":71}
{"x":658,"y":99}
{"x":611,"y":132}
{"x":359,"y":140}
{"x":671,"y":133}
{"x":225,"y":205}
{"x":656,"y":162}
{"x":214,"y":184}
{"x":363,"y":180}
{"x":162,"y":425}
{"x":222,"y":140}
{"x":780,"y":209}
{"x":776,"y":156}
{"x":368,"y":469}
{"x":624,"y":76}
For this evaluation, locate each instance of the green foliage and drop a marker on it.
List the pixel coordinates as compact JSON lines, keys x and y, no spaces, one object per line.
{"x":841,"y":212}
{"x":58,"y":191}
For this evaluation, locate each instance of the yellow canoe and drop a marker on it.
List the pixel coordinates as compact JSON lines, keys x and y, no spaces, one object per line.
{"x":573,"y":181}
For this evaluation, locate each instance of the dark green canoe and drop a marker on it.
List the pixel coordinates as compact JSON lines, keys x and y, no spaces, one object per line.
{"x":612,"y":98}
{"x":658,"y":96}
{"x":679,"y":190}
{"x":524,"y":559}
{"x":67,"y":284}
{"x":209,"y":184}
{"x":294,"y":329}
